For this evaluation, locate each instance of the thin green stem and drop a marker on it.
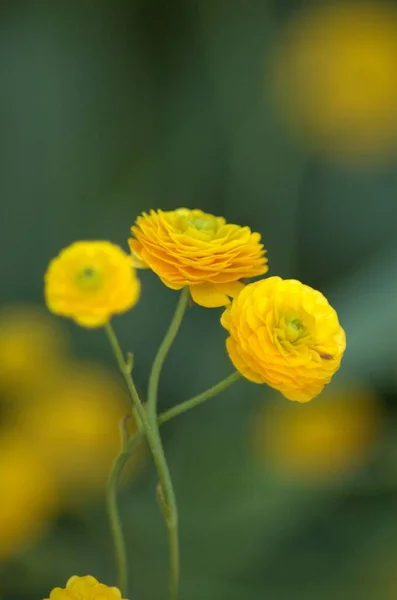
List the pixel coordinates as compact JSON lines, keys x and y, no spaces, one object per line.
{"x":199,"y":399}
{"x":162,"y":352}
{"x":166,"y":491}
{"x":185,"y":406}
{"x":128,"y":449}
{"x":170,"y":513}
{"x":125,"y":367}
{"x":113,"y":511}
{"x":151,"y":430}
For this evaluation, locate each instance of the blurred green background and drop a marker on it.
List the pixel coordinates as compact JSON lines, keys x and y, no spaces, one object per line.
{"x":279,"y":115}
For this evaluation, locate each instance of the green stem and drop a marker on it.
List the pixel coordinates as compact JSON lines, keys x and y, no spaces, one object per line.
{"x":199,"y":399}
{"x":162,"y":352}
{"x":113,"y":512}
{"x":125,"y":367}
{"x":128,"y":449}
{"x":166,"y":490}
{"x":154,"y":441}
{"x":185,"y":406}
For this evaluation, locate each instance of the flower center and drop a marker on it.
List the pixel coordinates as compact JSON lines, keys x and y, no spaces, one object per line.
{"x":89,"y":278}
{"x":202,"y":224}
{"x":294,"y":330}
{"x":291,"y":330}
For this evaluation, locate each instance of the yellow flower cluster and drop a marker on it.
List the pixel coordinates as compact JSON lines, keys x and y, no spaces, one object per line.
{"x":282,"y":333}
{"x":59,"y":427}
{"x":285,"y":334}
{"x":85,"y":588}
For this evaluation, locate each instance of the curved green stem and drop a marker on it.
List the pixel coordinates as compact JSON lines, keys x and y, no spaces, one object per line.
{"x":154,"y":441}
{"x":166,"y":491}
{"x":199,"y":399}
{"x":169,"y":508}
{"x":162,"y":352}
{"x":113,"y":511}
{"x":125,"y":367}
{"x":185,"y":406}
{"x":148,"y":423}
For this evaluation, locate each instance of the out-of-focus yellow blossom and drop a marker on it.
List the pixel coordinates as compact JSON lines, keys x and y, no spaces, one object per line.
{"x":28,"y":495}
{"x":85,"y":588}
{"x":321,"y":439}
{"x":285,"y":334}
{"x":31,"y":345}
{"x":75,"y":430}
{"x":91,"y":281}
{"x":337,"y":78}
{"x":190,"y":248}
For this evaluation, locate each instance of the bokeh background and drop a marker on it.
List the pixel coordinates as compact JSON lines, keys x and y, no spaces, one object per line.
{"x":277,"y":114}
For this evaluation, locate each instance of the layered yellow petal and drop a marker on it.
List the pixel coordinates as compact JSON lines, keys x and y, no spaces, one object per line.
{"x":285,"y":334}
{"x":91,"y":281}
{"x":191,"y":248}
{"x":85,"y":588}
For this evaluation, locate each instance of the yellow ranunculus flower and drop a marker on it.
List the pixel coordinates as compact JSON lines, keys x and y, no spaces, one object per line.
{"x":324,"y":438}
{"x":195,"y":249}
{"x":28,"y":494}
{"x":336,"y":77}
{"x":285,"y":334}
{"x":91,"y":281}
{"x":85,"y":588}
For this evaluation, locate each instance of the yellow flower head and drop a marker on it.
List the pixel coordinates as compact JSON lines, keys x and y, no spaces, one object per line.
{"x":85,"y":588}
{"x":91,"y":281}
{"x":285,"y":334}
{"x":195,"y":249}
{"x":323,"y":438}
{"x":337,"y":77}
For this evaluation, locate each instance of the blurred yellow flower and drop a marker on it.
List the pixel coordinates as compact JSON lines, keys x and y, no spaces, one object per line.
{"x":285,"y":334}
{"x":75,"y":429}
{"x":28,"y":495}
{"x":85,"y":588}
{"x":320,"y":439}
{"x":91,"y":281}
{"x":336,"y":77}
{"x":31,"y":345}
{"x":195,"y":249}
